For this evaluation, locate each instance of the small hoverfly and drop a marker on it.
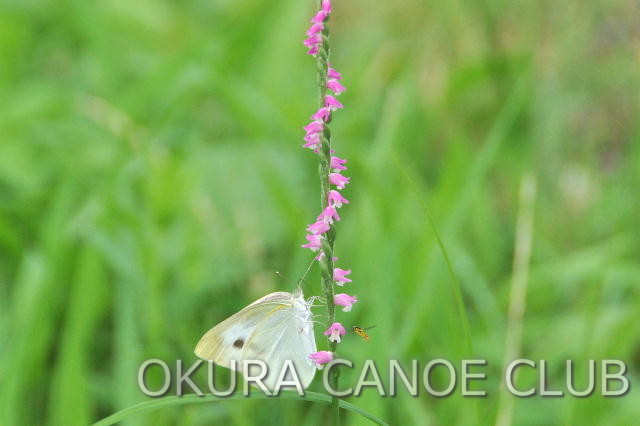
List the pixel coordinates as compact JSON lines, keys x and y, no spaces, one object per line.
{"x":361,"y":332}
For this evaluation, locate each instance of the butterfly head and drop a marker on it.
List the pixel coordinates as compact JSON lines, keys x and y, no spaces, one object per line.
{"x":302,"y":310}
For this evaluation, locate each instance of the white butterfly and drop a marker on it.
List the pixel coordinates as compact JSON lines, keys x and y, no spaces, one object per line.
{"x":272,"y":329}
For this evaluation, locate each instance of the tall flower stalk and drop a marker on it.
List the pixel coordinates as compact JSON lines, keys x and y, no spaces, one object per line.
{"x":322,"y":233}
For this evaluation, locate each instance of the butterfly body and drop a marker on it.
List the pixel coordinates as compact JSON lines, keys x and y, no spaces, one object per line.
{"x":272,"y":329}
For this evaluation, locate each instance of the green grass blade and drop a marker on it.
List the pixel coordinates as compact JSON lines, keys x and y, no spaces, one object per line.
{"x":477,"y":174}
{"x":173,"y":401}
{"x":456,"y":287}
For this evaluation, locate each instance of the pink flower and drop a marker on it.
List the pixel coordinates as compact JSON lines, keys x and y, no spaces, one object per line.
{"x":314,"y":242}
{"x":335,"y":86}
{"x":313,"y":147}
{"x":337,"y":163}
{"x":335,"y":199}
{"x":328,"y":215}
{"x":326,"y":6}
{"x":322,"y":114}
{"x":313,"y":127}
{"x":312,"y":137}
{"x":321,"y":255}
{"x":345,"y":300}
{"x":335,"y":331}
{"x":339,"y":276}
{"x":321,"y":357}
{"x":313,"y":141}
{"x":312,"y":40}
{"x":334,"y":74}
{"x":338,"y":180}
{"x":332,"y":103}
{"x":319,"y":227}
{"x":313,"y":51}
{"x":319,"y":17}
{"x":315,"y":29}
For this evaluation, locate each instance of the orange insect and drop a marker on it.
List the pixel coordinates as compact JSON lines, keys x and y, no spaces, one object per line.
{"x":361,"y":332}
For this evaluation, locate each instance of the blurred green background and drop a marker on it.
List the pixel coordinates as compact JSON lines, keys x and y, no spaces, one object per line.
{"x":152,"y":182}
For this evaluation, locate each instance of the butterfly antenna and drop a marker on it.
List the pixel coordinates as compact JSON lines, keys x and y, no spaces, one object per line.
{"x":281,"y":275}
{"x":306,"y":271}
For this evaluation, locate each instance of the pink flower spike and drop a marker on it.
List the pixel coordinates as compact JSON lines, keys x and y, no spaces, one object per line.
{"x":321,"y":357}
{"x":314,"y":242}
{"x":334,"y":332}
{"x":319,"y":17}
{"x":343,"y":299}
{"x":339,"y":276}
{"x":326,"y":6}
{"x":335,"y":199}
{"x":322,"y":114}
{"x":338,"y":180}
{"x":313,"y":127}
{"x":332,"y":103}
{"x":312,"y":40}
{"x":315,"y":29}
{"x":337,"y":163}
{"x":335,"y":86}
{"x":328,"y":215}
{"x":313,"y":51}
{"x":334,"y":74}
{"x":319,"y":227}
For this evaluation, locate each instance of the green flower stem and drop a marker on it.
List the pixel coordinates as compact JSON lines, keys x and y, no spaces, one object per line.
{"x":326,"y":264}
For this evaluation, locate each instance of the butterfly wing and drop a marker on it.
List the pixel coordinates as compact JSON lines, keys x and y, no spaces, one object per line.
{"x":286,"y":334}
{"x":226,"y":341}
{"x":272,"y":329}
